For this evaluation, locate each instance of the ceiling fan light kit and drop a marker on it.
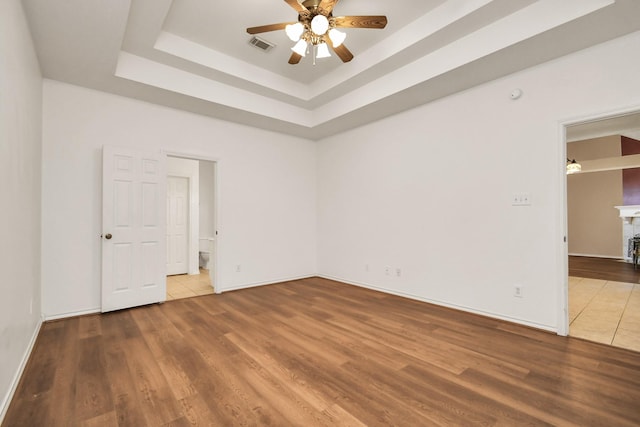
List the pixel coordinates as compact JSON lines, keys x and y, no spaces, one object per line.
{"x":322,"y":51}
{"x":300,"y":48}
{"x":294,"y":31}
{"x":319,"y":25}
{"x":337,"y":37}
{"x":316,"y":30}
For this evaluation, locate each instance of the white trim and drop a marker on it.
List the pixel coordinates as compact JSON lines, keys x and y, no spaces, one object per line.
{"x":594,"y":117}
{"x":16,"y":378}
{"x":71,"y":314}
{"x":216,"y":207}
{"x":191,"y":156}
{"x":265,"y":283}
{"x":562,"y":250}
{"x":597,"y":256}
{"x":216,"y":223}
{"x":563,"y":255}
{"x":444,"y":304}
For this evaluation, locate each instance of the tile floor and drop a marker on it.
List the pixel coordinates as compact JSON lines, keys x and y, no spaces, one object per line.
{"x":605,"y":311}
{"x":189,"y":285}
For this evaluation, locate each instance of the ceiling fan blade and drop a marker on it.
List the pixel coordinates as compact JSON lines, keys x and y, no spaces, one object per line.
{"x":295,"y":58}
{"x":361,"y":21}
{"x":327,"y":5}
{"x":342,"y":51}
{"x":267,"y":28}
{"x":296,"y":5}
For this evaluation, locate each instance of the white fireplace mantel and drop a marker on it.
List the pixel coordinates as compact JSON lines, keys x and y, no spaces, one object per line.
{"x":628,"y":212}
{"x":630,"y":228}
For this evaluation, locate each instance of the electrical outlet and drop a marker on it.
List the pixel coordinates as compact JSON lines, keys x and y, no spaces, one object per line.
{"x":517,"y":291}
{"x":398,"y":272}
{"x":387,"y":271}
{"x":238,"y":268}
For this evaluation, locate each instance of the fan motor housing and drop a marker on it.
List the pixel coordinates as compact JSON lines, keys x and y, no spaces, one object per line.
{"x":311,"y":4}
{"x":313,"y":8}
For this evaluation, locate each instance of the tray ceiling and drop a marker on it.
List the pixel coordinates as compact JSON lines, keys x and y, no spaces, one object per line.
{"x":195,"y":54}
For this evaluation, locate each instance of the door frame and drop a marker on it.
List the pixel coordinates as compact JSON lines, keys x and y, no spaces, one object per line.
{"x":563,"y":248}
{"x":214,"y":271}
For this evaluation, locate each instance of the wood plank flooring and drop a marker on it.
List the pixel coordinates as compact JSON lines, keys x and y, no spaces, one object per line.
{"x":316,"y":352}
{"x":604,"y":269}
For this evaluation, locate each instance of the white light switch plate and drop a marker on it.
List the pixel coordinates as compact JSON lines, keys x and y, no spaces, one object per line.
{"x":521,"y":199}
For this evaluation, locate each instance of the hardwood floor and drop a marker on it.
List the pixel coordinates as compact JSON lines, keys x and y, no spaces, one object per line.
{"x":603,"y":268}
{"x":316,"y":352}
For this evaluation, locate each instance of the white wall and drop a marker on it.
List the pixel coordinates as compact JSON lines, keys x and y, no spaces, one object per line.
{"x":207,"y":199}
{"x":429,"y":190}
{"x":20,"y":151}
{"x":190,"y":169}
{"x":266,"y":183}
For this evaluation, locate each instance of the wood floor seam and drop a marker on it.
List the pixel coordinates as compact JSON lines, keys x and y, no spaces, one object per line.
{"x":316,"y":352}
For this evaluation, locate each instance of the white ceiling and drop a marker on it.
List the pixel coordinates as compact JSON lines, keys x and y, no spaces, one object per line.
{"x":194,"y":54}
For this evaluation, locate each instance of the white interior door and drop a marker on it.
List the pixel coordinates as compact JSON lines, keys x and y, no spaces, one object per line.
{"x":133,"y":227}
{"x":177,"y":225}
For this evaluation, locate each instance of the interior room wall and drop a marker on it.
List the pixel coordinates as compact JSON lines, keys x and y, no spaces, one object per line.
{"x":420,"y":204}
{"x":594,"y":225}
{"x":266,"y":182}
{"x":207,"y":199}
{"x":20,"y":154}
{"x":630,"y":177}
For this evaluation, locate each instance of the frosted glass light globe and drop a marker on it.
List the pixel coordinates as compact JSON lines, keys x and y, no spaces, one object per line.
{"x":337,"y":37}
{"x":319,"y":25}
{"x":323,"y":51}
{"x":300,"y":48}
{"x":294,"y":31}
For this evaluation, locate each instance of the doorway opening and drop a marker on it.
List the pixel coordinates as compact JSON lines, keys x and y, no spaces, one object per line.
{"x":603,"y":290}
{"x":191,"y":224}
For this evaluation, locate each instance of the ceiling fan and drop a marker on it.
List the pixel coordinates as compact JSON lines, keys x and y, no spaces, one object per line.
{"x":317,"y":28}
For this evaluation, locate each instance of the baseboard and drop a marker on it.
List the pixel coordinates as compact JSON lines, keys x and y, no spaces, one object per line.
{"x":598,"y":256}
{"x":448,"y":305}
{"x":269,"y":282}
{"x":16,"y":378}
{"x":48,"y":317}
{"x":218,"y":290}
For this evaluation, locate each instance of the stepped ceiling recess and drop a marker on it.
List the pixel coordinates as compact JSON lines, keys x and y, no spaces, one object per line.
{"x":195,"y":55}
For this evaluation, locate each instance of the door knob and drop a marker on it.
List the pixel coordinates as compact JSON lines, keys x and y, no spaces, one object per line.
{"x":108,"y":236}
